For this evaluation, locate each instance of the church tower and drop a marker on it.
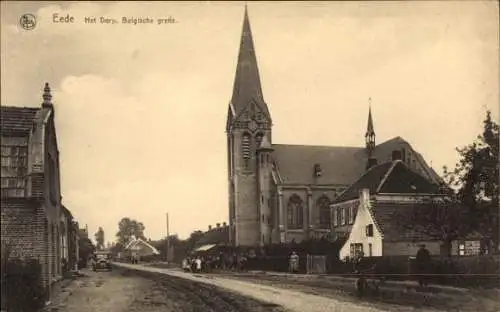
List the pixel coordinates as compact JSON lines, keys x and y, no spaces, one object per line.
{"x":248,"y":122}
{"x":370,"y":138}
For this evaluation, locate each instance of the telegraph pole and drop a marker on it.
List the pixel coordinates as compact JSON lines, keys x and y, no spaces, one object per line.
{"x":168,"y":237}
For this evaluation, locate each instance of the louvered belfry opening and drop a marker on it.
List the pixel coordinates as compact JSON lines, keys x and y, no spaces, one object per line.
{"x":246,"y":148}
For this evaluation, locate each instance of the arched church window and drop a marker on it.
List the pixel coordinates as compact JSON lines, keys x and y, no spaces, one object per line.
{"x":323,"y":206}
{"x":295,"y":212}
{"x":246,"y":148}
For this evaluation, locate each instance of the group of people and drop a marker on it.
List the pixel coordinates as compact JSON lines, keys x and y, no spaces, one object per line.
{"x":222,"y":261}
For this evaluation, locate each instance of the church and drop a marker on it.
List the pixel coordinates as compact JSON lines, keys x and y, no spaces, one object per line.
{"x":280,"y":192}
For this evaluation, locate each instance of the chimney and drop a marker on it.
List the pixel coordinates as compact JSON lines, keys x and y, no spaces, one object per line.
{"x":371,"y":163}
{"x":218,"y":225}
{"x":396,"y":155}
{"x":364,"y":195}
{"x":209,"y":227}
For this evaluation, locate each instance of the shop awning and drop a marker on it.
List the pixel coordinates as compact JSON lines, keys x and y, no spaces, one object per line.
{"x":205,"y":247}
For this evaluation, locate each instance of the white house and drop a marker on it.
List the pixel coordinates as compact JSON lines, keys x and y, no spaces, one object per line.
{"x":139,"y":247}
{"x":367,"y":214}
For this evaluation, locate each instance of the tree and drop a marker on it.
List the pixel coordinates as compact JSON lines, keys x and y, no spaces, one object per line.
{"x":475,"y":178}
{"x":99,"y":238}
{"x":442,"y":218}
{"x":127,"y":228}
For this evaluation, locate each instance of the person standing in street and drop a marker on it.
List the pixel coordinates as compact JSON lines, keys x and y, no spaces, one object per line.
{"x":294,"y":262}
{"x":423,"y":260}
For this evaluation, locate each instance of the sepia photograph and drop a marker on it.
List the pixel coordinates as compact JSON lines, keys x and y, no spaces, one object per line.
{"x":250,"y":156}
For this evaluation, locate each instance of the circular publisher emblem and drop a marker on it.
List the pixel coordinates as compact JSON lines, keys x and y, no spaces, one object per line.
{"x":28,"y":21}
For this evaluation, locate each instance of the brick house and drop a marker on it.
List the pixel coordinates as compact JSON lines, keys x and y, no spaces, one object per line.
{"x":69,"y":240}
{"x":367,"y":214}
{"x":34,"y":222}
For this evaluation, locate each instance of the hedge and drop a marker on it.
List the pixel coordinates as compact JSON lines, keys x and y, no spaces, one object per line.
{"x":21,"y":285}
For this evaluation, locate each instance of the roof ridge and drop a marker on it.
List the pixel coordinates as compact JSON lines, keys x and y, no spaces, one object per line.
{"x":390,"y":140}
{"x":320,"y":146}
{"x":361,"y":177}
{"x":21,"y":107}
{"x":395,"y":163}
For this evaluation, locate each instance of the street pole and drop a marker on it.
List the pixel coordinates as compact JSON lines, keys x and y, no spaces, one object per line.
{"x":168,"y":238}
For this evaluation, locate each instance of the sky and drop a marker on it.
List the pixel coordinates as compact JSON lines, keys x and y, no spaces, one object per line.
{"x":141,"y":109}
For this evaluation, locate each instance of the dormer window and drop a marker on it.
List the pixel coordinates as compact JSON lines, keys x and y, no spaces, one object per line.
{"x":317,"y":170}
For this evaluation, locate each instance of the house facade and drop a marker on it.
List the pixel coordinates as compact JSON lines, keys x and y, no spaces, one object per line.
{"x":282,"y":192}
{"x":34,"y":222}
{"x":367,"y":215}
{"x":138,"y":247}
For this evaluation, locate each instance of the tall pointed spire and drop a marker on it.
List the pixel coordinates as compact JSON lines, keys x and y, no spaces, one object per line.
{"x":369,"y":129}
{"x":370,"y":132}
{"x":247,"y":80}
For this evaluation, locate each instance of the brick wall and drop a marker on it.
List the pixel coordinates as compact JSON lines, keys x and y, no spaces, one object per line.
{"x":17,"y":222}
{"x":41,"y":249}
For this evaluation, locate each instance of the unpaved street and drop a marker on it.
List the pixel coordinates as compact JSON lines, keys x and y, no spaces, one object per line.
{"x":132,"y":291}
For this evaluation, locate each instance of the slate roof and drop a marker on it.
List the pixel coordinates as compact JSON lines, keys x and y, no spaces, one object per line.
{"x":19,"y":120}
{"x":339,"y":165}
{"x":216,"y":236}
{"x":386,"y":216}
{"x":389,"y":177}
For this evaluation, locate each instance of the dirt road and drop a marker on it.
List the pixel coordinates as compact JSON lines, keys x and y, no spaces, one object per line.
{"x":389,"y":297}
{"x":133,"y":291}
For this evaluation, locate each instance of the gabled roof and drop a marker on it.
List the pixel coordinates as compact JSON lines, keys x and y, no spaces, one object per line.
{"x":339,"y":165}
{"x":383,"y":153}
{"x":389,"y":177}
{"x":384,"y":215}
{"x":17,"y":120}
{"x":135,"y":241}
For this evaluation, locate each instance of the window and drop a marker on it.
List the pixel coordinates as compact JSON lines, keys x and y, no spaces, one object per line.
{"x":356,"y":249}
{"x":351,"y":215}
{"x":335,"y":217}
{"x":342,"y":216}
{"x":461,"y":249}
{"x":295,"y":212}
{"x":14,"y":164}
{"x":370,"y":251}
{"x":369,"y":230}
{"x":323,"y":206}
